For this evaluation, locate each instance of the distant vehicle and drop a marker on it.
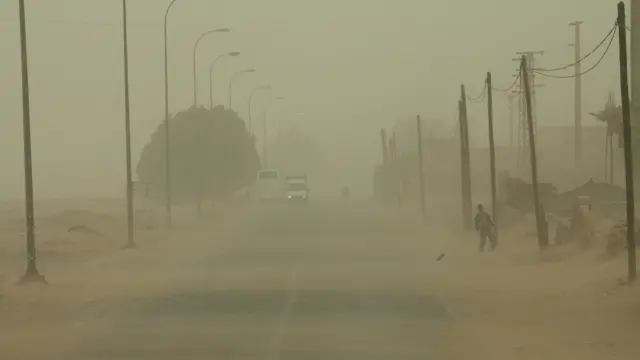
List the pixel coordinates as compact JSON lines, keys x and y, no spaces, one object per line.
{"x":269,"y":185}
{"x":297,"y":188}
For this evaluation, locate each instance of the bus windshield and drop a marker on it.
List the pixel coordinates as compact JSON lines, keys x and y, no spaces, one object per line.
{"x":297,"y":186}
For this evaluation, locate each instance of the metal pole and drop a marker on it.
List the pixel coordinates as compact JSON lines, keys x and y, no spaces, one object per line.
{"x":541,"y":225}
{"x":626,"y":126}
{"x":492,"y":152}
{"x":233,"y":77}
{"x":166,"y":119}
{"x":420,"y":167}
{"x":127,"y":126}
{"x":253,"y":92}
{"x":211,"y":66}
{"x":578,"y":98}
{"x":31,"y":274}
{"x":467,"y":204}
{"x":264,"y":137}
{"x":195,"y":50}
{"x":250,"y":120}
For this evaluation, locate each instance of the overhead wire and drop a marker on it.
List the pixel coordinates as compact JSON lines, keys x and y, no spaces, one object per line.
{"x":586,"y":71}
{"x":609,"y":34}
{"x":515,"y":82}
{"x":479,"y":97}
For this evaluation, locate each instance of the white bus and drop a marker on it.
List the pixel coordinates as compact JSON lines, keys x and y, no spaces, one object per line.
{"x":269,"y":185}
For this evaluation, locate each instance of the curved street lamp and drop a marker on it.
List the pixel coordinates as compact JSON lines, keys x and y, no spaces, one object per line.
{"x":233,"y":78}
{"x":255,"y":90}
{"x":166,"y":119}
{"x":213,"y":63}
{"x":131,"y":244}
{"x":264,"y":132}
{"x":31,"y":274}
{"x":195,"y":49}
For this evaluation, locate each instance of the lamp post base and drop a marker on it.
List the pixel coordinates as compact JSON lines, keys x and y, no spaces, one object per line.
{"x":130,"y":245}
{"x":32,"y":276}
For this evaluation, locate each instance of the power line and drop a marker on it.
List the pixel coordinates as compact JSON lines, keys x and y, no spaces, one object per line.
{"x":515,"y":82}
{"x":479,"y":97}
{"x":610,"y":34}
{"x":584,"y":72}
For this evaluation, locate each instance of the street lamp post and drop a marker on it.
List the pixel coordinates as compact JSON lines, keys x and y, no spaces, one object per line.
{"x":166,"y":119}
{"x":127,"y":126}
{"x":233,"y":78}
{"x":31,"y":274}
{"x":255,"y":90}
{"x":265,"y":142}
{"x":195,"y":49}
{"x":213,"y":63}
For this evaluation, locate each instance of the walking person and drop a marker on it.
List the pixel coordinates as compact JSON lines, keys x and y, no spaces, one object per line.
{"x":485,"y":227}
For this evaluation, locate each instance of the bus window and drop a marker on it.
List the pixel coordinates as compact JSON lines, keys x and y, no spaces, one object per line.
{"x":268,"y":175}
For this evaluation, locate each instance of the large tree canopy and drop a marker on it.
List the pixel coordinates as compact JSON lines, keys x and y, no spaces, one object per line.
{"x":212,"y":155}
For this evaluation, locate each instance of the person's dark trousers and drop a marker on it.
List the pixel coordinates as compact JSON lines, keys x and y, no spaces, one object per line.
{"x":484,"y":235}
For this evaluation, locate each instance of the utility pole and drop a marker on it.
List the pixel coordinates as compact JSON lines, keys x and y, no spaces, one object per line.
{"x":577,"y":112}
{"x":131,"y":244}
{"x":385,"y":164}
{"x":626,"y":126}
{"x":523,"y":132}
{"x":492,"y":152}
{"x":635,"y":63}
{"x":420,"y":167}
{"x":265,"y":143}
{"x":466,"y":163}
{"x":530,"y":55}
{"x":511,"y":97}
{"x":541,"y":222}
{"x":393,"y":154}
{"x":463,"y":167}
{"x":31,"y":274}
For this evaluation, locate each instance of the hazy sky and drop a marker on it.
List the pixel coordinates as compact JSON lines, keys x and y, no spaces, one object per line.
{"x":352,"y":66}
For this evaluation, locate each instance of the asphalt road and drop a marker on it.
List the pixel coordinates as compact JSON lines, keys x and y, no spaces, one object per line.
{"x":300,"y":282}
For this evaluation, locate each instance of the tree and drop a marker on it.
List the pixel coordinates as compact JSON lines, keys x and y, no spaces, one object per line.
{"x":212,"y":156}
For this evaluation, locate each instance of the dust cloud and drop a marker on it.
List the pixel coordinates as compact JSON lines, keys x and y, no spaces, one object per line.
{"x":344,"y":266}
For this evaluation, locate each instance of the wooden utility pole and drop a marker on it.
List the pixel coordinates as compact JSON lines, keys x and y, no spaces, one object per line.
{"x":420,"y":167}
{"x":541,"y":221}
{"x":492,"y":152}
{"x":577,"y":111}
{"x":511,"y":97}
{"x":626,"y":127}
{"x":393,"y":154}
{"x":466,"y":163}
{"x":385,"y":165}
{"x":463,"y":185}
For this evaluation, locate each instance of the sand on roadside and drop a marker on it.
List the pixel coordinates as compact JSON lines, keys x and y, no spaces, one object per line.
{"x":519,"y":303}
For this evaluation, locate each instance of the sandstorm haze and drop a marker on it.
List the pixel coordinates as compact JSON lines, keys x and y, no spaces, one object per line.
{"x":351,"y":66}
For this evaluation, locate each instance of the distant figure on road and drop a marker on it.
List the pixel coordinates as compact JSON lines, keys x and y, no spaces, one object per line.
{"x":345,"y":193}
{"x":485,"y":227}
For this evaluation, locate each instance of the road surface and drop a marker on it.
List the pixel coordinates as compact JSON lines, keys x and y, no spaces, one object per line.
{"x":299,"y":282}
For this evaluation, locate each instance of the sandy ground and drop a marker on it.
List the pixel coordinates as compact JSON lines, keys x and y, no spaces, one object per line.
{"x":518,"y":303}
{"x":323,"y":282}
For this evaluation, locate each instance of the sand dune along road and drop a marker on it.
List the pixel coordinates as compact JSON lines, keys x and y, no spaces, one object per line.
{"x":287,"y":282}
